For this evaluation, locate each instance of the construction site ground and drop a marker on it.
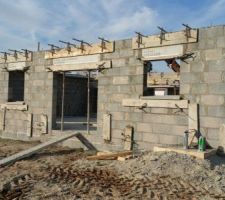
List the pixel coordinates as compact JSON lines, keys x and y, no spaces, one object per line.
{"x":64,"y":173}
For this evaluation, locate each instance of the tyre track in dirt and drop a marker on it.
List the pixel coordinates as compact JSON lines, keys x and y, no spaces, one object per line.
{"x":95,"y":183}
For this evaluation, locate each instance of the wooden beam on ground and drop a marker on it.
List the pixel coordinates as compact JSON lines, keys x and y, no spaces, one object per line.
{"x":190,"y":152}
{"x":155,"y":103}
{"x":33,"y":150}
{"x":109,"y":155}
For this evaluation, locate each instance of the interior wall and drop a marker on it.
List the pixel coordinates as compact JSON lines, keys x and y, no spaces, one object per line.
{"x":75,"y":100}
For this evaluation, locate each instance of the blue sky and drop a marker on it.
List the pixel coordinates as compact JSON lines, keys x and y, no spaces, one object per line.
{"x":25,"y":22}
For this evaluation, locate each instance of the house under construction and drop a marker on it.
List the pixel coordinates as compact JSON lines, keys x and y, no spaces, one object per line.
{"x":114,"y":93}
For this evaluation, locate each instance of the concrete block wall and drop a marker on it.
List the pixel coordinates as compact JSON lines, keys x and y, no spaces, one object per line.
{"x":203,"y":80}
{"x":38,"y":89}
{"x":126,"y":80}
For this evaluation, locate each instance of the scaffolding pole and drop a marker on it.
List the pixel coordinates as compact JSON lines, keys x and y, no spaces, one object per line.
{"x":88,"y":103}
{"x":63,"y":97}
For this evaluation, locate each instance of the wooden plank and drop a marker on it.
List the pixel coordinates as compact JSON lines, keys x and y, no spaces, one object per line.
{"x":162,"y":53}
{"x":21,"y":58}
{"x":192,"y":121}
{"x":29,"y":124}
{"x":82,"y":66}
{"x":155,"y":103}
{"x":170,"y":39}
{"x":106,"y":130}
{"x":14,"y":107}
{"x":123,"y":158}
{"x":44,"y":124}
{"x":100,"y":153}
{"x":190,"y":152}
{"x":109,"y":155}
{"x":128,"y":136}
{"x":94,"y":49}
{"x":33,"y":150}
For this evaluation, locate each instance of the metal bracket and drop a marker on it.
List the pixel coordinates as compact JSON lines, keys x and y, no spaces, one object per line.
{"x":162,"y":34}
{"x":68,"y":46}
{"x":187,"y":56}
{"x":53,"y":48}
{"x":5,"y":54}
{"x":103,"y":43}
{"x":101,"y":68}
{"x":26,"y":53}
{"x":187,"y":31}
{"x":139,"y":40}
{"x":15,"y":53}
{"x":82,"y":43}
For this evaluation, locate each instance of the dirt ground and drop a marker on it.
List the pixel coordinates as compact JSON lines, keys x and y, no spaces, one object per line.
{"x":63,"y":173}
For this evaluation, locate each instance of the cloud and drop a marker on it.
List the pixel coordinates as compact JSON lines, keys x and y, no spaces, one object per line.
{"x":25,"y":22}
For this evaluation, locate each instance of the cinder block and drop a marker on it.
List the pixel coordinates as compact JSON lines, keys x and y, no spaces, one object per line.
{"x":199,"y":88}
{"x":118,"y":97}
{"x":136,"y":79}
{"x":213,"y":77}
{"x":145,"y":145}
{"x":220,"y":42}
{"x":212,"y":100}
{"x":159,"y":110}
{"x":191,"y":77}
{"x":214,"y":54}
{"x":215,"y":65}
{"x":216,"y":111}
{"x":117,"y":115}
{"x":185,"y":88}
{"x":169,"y":129}
{"x":126,"y":53}
{"x":122,"y":62}
{"x":168,"y":139}
{"x":136,"y":117}
{"x":217,"y":88}
{"x":120,"y":80}
{"x":144,"y":127}
{"x":117,"y":133}
{"x":104,"y":81}
{"x":165,"y":119}
{"x":150,"y":137}
{"x":211,"y":122}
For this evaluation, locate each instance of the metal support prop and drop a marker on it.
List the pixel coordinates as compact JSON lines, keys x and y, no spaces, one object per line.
{"x":63,"y":97}
{"x":88,"y":103}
